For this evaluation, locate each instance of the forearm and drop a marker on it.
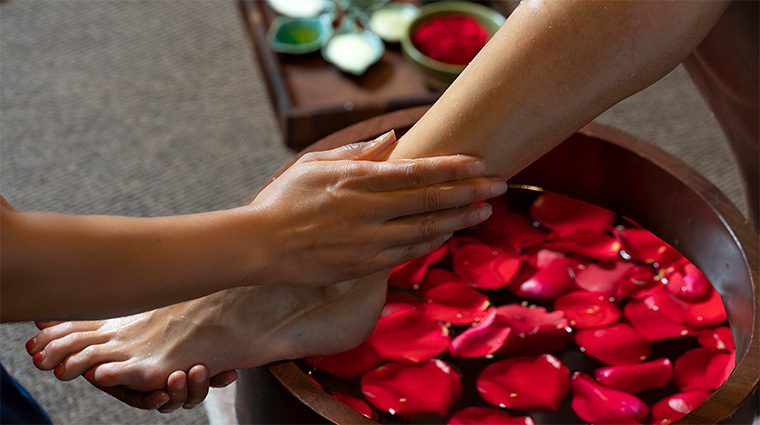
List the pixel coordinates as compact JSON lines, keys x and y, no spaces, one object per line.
{"x":552,"y":68}
{"x":57,"y":266}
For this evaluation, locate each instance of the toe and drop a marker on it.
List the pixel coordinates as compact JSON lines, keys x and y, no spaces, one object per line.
{"x":89,"y":357}
{"x":57,"y":331}
{"x":57,"y":350}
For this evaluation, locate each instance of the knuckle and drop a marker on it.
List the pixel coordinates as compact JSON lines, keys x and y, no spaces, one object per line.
{"x":413,"y":173}
{"x":428,"y":227}
{"x":431,"y":199}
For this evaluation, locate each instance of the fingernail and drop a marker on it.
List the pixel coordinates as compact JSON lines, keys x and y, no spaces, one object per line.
{"x":37,"y":358}
{"x":90,"y":376}
{"x":498,"y":187}
{"x":477,"y":166}
{"x":383,"y":137}
{"x":162,"y":400}
{"x":30,"y":344}
{"x":58,"y":371}
{"x":447,"y":237}
{"x":200,"y":378}
{"x":484,"y":211}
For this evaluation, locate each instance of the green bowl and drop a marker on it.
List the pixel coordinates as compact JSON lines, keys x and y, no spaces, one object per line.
{"x":298,"y":35}
{"x":440,"y":74}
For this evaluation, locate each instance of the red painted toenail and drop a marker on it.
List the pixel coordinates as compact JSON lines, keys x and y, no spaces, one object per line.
{"x":58,"y":371}
{"x":90,"y":375}
{"x":37,"y":358}
{"x":30,"y":344}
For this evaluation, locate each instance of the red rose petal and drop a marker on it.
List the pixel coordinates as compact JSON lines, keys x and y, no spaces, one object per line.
{"x":525,"y":383}
{"x":349,"y":364}
{"x":604,"y":276}
{"x":594,"y":402}
{"x":413,"y":390}
{"x":434,"y":277}
{"x":487,"y":416}
{"x":645,"y":247}
{"x":706,"y":314}
{"x":551,"y":281}
{"x":408,"y":335}
{"x":485,"y":266}
{"x":618,"y":420}
{"x":651,"y":319}
{"x":412,"y":272}
{"x":613,"y":345}
{"x":512,"y":232}
{"x":564,"y":214}
{"x":357,"y":404}
{"x":635,"y":378}
{"x":639,"y":284}
{"x":455,"y":302}
{"x":673,"y":408}
{"x":719,"y":338}
{"x":534,"y":330}
{"x":588,"y":309}
{"x":702,"y":369}
{"x":593,"y":244}
{"x":485,"y":338}
{"x":690,"y":285}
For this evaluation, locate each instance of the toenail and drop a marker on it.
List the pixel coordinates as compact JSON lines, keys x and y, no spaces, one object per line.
{"x":37,"y":358}
{"x":90,"y":376}
{"x":58,"y":371}
{"x":30,"y":344}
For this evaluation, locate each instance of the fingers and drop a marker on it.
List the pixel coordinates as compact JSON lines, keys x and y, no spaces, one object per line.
{"x":140,"y":400}
{"x":402,"y":203}
{"x":414,"y":173}
{"x":371,"y":150}
{"x":177,"y":387}
{"x":223,"y":379}
{"x":198,"y":386}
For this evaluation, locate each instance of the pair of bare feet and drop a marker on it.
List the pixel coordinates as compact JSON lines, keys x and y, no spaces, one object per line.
{"x":233,"y":329}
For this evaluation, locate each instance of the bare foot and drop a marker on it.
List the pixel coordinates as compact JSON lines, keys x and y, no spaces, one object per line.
{"x":234,"y":329}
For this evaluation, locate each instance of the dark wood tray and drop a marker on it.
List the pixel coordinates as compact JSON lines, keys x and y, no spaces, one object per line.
{"x":313,"y":98}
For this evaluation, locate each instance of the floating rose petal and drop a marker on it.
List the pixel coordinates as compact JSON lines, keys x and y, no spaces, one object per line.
{"x":702,"y":369}
{"x":593,"y":244}
{"x":396,"y":301}
{"x":588,"y":309}
{"x":651,"y":319}
{"x":525,"y":383}
{"x":639,"y":284}
{"x":349,"y":364}
{"x":534,"y":330}
{"x":434,"y":277}
{"x":645,"y":247}
{"x":413,"y":390}
{"x":706,"y":314}
{"x":357,"y":404}
{"x":635,"y":378}
{"x":512,"y":232}
{"x":412,"y":272}
{"x":564,"y":215}
{"x":604,"y":276}
{"x":456,"y":303}
{"x":408,"y":335}
{"x":551,"y":281}
{"x":690,"y":285}
{"x":485,"y":338}
{"x":613,"y":345}
{"x":487,"y":416}
{"x":673,"y":408}
{"x":594,"y":402}
{"x":485,"y":266}
{"x":719,"y":338}
{"x":618,"y":420}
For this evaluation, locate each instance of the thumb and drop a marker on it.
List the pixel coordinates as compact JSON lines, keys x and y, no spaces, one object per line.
{"x":368,"y":151}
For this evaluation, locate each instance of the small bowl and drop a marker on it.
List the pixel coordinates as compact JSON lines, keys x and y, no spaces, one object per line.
{"x":344,"y":47}
{"x":441,"y":74}
{"x":391,"y":22}
{"x":298,"y":35}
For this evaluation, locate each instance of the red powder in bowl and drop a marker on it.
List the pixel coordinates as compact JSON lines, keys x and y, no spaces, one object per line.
{"x":454,"y":39}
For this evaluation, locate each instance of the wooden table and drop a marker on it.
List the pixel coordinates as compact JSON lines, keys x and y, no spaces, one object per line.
{"x":313,"y":98}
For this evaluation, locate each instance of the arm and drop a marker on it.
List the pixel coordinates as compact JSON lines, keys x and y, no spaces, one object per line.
{"x":552,"y":68}
{"x":308,"y":227}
